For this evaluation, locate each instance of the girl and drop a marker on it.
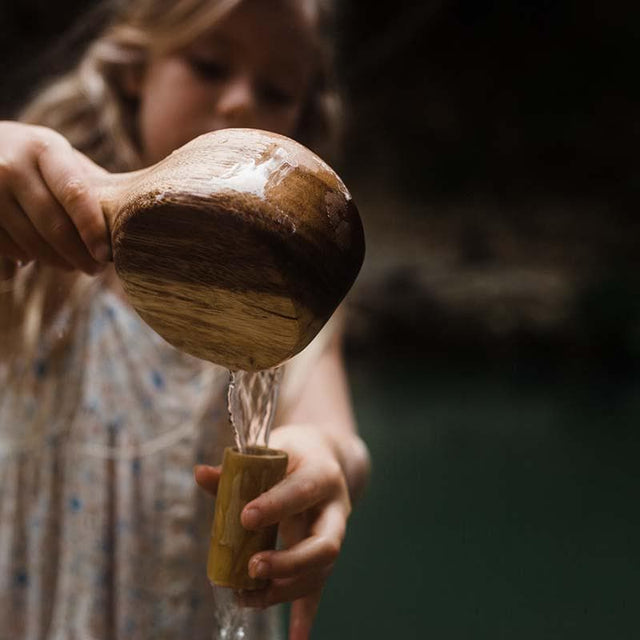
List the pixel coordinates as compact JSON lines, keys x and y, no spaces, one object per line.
{"x":103,"y":533}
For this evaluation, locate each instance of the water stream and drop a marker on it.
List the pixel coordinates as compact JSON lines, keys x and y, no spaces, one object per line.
{"x":252,"y":399}
{"x":231,"y":619}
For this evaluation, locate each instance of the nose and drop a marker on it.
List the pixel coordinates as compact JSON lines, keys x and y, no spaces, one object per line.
{"x":237,"y":101}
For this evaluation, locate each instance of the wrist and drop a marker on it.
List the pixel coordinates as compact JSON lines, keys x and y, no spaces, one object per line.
{"x":356,"y":464}
{"x":355,"y":461}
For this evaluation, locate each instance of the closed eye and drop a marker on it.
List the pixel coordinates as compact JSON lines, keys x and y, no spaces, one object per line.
{"x":275,"y":95}
{"x":209,"y":69}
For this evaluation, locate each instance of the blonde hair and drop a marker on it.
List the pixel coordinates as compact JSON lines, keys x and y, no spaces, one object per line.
{"x":92,"y":108}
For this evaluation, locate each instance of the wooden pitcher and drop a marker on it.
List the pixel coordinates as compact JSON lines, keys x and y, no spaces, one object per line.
{"x":237,"y":247}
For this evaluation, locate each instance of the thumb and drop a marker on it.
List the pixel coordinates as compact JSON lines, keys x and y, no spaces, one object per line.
{"x":89,"y":168}
{"x":207,"y":477}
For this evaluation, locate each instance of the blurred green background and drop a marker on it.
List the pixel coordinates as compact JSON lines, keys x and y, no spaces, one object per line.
{"x":494,"y":333}
{"x":503,"y":505}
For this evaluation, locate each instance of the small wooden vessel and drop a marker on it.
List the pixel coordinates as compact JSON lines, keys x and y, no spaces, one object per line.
{"x":244,"y":477}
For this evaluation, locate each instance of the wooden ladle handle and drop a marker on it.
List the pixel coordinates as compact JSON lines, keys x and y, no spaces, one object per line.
{"x":237,"y":247}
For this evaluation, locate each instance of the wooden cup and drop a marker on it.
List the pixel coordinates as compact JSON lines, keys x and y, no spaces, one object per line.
{"x":244,"y":477}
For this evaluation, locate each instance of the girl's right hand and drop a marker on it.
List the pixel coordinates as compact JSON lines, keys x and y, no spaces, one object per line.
{"x":49,"y":210}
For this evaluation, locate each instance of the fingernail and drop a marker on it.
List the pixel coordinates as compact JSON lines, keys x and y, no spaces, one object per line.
{"x":250,"y":518}
{"x":259,"y":569}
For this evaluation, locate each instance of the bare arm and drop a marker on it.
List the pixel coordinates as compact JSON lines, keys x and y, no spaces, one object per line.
{"x":325,"y":403}
{"x":328,"y":470}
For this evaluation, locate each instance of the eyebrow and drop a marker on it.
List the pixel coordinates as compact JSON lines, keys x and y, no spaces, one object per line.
{"x":214,"y":40}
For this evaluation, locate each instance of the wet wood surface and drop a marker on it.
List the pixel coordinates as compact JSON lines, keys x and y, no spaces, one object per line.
{"x":236,"y":248}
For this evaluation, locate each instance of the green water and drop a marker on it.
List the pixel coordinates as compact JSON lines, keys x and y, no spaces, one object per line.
{"x":503,"y":504}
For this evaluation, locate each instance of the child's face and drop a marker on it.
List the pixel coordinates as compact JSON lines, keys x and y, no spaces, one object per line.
{"x":252,"y":70}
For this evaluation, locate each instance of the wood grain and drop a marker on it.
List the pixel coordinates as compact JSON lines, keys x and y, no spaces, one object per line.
{"x":244,"y":477}
{"x":236,"y":248}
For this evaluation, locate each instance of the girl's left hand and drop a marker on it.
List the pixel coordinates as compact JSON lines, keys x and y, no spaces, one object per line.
{"x":311,"y":506}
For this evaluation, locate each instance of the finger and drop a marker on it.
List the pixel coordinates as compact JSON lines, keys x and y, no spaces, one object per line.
{"x":294,"y":529}
{"x":25,"y":236}
{"x":52,"y":222}
{"x":303,"y":613}
{"x":68,"y":182}
{"x":318,"y":550}
{"x":310,"y":554}
{"x":299,"y":491}
{"x":207,"y":477}
{"x":286,"y":589}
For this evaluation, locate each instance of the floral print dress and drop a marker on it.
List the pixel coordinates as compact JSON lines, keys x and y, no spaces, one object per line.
{"x":103,"y":531}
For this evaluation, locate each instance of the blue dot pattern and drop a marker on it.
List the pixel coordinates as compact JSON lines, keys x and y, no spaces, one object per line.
{"x":103,"y":531}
